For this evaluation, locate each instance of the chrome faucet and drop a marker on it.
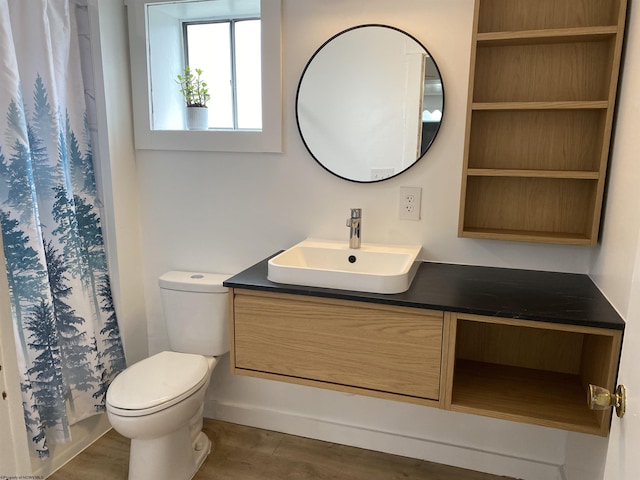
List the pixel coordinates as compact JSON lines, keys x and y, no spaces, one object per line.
{"x":354,"y":223}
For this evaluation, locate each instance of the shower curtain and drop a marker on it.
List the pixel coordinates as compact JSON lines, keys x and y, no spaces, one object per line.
{"x":66,"y":332}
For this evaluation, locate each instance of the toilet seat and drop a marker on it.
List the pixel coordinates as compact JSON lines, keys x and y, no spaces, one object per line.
{"x":157,"y":383}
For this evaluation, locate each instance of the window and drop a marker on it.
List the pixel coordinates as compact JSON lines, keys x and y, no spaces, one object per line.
{"x":228,"y":53}
{"x":166,"y":35}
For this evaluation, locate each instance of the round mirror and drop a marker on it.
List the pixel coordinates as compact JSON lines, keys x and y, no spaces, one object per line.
{"x":369,"y":103}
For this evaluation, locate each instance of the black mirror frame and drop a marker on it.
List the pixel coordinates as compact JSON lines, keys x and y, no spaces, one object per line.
{"x":304,"y":71}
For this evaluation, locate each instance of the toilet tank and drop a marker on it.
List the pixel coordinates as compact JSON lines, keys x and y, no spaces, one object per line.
{"x":196,"y":312}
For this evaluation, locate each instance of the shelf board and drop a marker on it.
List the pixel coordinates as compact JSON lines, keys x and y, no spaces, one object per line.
{"x":561,"y":238}
{"x":545,"y":398}
{"x":552,"y":35}
{"x":503,"y":172}
{"x":573,"y":105}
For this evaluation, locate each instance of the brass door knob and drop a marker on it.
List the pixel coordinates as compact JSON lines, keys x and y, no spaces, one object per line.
{"x":599,"y":398}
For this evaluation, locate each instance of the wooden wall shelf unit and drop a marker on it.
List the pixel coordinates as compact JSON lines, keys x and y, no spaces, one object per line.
{"x":542,"y":92}
{"x":511,"y":344}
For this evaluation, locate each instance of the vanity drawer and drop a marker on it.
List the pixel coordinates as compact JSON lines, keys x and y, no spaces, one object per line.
{"x":340,"y":344}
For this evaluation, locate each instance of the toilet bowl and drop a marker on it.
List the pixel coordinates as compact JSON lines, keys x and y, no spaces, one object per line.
{"x":158,"y":404}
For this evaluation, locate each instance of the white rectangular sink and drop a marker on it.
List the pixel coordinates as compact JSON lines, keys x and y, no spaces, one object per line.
{"x":374,"y":268}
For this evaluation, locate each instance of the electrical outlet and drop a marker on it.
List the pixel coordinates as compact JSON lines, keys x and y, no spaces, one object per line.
{"x":409,"y":203}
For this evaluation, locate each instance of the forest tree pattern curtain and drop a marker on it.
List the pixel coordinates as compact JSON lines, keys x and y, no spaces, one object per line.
{"x":67,"y":337}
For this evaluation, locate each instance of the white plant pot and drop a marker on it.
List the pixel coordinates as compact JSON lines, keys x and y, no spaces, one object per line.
{"x":197,"y":118}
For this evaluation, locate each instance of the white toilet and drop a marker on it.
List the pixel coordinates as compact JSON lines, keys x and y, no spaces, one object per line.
{"x":158,"y":402}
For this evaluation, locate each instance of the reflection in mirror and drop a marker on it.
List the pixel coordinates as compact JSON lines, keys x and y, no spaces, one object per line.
{"x":369,"y":103}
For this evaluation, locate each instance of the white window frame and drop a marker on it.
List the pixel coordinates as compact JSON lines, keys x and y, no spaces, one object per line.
{"x":269,"y":139}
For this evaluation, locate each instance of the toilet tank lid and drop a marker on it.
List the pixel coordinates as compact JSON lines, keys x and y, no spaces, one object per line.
{"x":194,"y":281}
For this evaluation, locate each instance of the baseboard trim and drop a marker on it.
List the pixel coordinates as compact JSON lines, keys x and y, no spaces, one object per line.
{"x":385,"y":441}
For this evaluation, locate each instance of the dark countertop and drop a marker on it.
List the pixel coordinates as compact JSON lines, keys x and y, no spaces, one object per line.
{"x":565,"y":298}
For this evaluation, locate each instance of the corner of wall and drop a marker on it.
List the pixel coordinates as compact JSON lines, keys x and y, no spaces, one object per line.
{"x":116,"y":171}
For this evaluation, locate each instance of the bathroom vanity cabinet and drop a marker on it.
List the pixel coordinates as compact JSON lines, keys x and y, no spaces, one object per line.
{"x":542,"y":93}
{"x":511,"y":344}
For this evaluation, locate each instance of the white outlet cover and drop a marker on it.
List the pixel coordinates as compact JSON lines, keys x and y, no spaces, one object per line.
{"x":409,"y":202}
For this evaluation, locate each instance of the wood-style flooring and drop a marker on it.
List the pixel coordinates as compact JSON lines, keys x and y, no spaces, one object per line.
{"x":245,"y":453}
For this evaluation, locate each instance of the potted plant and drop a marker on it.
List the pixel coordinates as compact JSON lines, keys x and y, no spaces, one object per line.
{"x":196,"y":95}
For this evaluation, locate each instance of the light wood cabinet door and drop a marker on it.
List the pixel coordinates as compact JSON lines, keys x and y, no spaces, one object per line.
{"x":341,"y":344}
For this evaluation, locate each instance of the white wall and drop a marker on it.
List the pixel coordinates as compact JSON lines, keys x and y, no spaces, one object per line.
{"x":616,"y":270}
{"x":224,"y":212}
{"x":613,"y":264}
{"x":116,"y":171}
{"x":622,"y":461}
